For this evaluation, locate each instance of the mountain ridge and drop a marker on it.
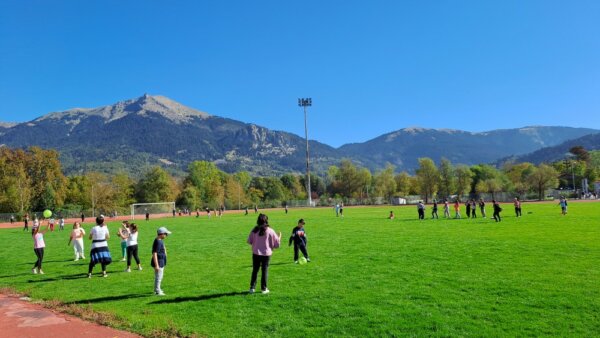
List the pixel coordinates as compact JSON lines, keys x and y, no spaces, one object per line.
{"x":154,"y":129}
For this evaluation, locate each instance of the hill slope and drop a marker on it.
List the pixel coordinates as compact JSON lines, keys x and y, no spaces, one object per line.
{"x":559,"y":152}
{"x":402,"y":148}
{"x":156,"y":130}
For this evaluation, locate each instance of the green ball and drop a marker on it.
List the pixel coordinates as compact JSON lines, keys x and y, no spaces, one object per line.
{"x":47,"y":213}
{"x":302,"y":260}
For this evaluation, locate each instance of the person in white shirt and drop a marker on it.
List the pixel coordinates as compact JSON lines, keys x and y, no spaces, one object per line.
{"x":132,"y":247}
{"x":99,"y":253}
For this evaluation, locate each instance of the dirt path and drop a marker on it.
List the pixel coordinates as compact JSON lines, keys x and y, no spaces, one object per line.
{"x":20,"y":318}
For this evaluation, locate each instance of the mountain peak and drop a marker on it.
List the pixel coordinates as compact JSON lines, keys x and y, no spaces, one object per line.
{"x":144,"y":105}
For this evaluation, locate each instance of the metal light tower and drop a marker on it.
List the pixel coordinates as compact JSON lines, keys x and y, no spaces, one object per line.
{"x":307,"y":102}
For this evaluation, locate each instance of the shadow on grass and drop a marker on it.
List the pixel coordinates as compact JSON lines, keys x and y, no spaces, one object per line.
{"x":17,"y":275}
{"x":59,"y":278}
{"x":110,"y":298}
{"x":271,"y":264}
{"x":198,"y":298}
{"x":55,"y":261}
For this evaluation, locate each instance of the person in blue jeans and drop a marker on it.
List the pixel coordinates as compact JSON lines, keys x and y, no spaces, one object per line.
{"x":299,"y":239}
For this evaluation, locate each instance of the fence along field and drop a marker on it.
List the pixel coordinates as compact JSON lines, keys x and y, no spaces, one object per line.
{"x":369,"y":276}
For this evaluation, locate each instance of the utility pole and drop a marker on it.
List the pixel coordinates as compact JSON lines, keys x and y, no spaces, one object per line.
{"x":306,"y":102}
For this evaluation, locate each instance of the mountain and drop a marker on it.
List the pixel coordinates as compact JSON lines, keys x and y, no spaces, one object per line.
{"x":402,"y":148}
{"x":156,"y":130}
{"x":558,"y":152}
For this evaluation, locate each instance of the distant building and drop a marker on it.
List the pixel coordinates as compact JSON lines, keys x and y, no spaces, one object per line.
{"x":398,"y":200}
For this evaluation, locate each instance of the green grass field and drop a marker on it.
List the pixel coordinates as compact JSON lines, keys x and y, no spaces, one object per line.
{"x":369,"y":276}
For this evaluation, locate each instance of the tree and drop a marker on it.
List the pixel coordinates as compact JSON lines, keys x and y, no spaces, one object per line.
{"x":385,"y":185}
{"x":189,"y":198}
{"x":348,"y":180}
{"x":123,"y":189}
{"x":48,"y":184}
{"x":155,"y":186}
{"x":493,"y":185}
{"x":464,"y":178}
{"x":292,"y":183}
{"x":208,"y":179}
{"x":580,"y":153}
{"x":235,"y":195}
{"x":518,"y":175}
{"x":428,"y":177}
{"x":542,"y":178}
{"x":402,"y":183}
{"x":447,"y":179}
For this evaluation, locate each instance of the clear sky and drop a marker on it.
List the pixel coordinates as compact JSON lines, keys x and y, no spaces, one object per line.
{"x":370,"y":67}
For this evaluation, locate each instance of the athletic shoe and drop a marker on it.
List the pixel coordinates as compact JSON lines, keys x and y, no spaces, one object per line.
{"x":41,"y":272}
{"x":128,"y":270}
{"x":308,"y":259}
{"x":82,"y":257}
{"x":89,"y":275}
{"x":251,"y":291}
{"x":160,"y":293}
{"x":104,"y":274}
{"x":76,"y":259}
{"x":295,"y":262}
{"x":124,"y":259}
{"x":34,"y":270}
{"x":265,"y":291}
{"x":139,"y":268}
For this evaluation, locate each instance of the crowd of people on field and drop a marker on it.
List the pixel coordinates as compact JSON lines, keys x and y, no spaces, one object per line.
{"x":262,"y":238}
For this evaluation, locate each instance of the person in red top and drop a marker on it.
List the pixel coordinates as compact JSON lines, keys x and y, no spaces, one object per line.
{"x":456,"y":209}
{"x":263,"y":240}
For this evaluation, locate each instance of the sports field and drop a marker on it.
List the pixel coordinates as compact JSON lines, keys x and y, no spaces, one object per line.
{"x":369,"y":276}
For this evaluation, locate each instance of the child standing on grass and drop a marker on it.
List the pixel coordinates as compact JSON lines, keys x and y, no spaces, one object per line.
{"x":497,"y":210}
{"x":38,"y":248}
{"x":123,"y":233}
{"x":446,"y":209}
{"x":263,"y":240}
{"x":300,"y":241}
{"x":391,"y":216}
{"x":456,"y":209}
{"x":159,"y":259}
{"x":61,"y":224}
{"x":132,"y":247}
{"x":563,"y":205}
{"x":99,"y":253}
{"x":482,"y":207}
{"x":77,"y":238}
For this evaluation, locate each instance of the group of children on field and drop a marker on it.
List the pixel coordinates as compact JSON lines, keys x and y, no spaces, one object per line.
{"x":100,"y":254}
{"x":262,"y":238}
{"x":471,"y":209}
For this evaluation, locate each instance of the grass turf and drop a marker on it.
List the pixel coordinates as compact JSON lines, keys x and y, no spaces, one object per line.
{"x":369,"y":276}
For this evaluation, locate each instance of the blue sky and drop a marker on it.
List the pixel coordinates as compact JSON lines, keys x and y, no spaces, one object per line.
{"x":370,"y":67}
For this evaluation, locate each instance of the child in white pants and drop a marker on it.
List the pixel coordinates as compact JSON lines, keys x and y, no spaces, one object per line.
{"x":77,"y":238}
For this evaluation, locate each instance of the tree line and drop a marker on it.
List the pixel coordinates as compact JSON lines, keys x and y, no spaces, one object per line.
{"x":32,"y":180}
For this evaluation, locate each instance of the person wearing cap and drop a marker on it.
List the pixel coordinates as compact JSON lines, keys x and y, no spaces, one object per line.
{"x":263,"y":240}
{"x":159,"y":259}
{"x":299,"y":239}
{"x":99,"y":253}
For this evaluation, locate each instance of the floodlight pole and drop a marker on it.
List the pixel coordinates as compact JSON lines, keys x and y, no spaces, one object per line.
{"x":306,"y":102}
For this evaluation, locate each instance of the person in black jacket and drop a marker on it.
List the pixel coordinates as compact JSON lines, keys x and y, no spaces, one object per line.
{"x":497,"y":210}
{"x":299,"y":239}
